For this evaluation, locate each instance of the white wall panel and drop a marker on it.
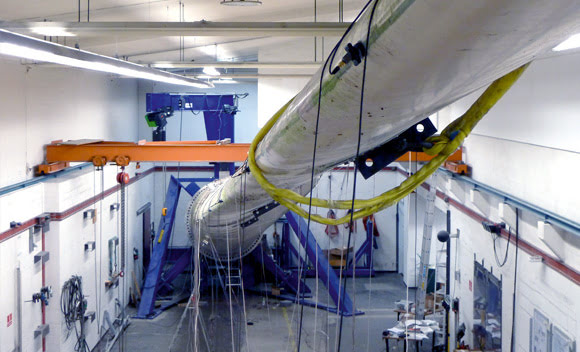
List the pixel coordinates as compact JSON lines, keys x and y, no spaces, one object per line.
{"x":541,"y":108}
{"x":42,"y":104}
{"x":21,"y":206}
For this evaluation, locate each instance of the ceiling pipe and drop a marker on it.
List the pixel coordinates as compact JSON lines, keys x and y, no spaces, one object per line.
{"x":250,"y":76}
{"x":272,"y":65}
{"x":198,"y":29}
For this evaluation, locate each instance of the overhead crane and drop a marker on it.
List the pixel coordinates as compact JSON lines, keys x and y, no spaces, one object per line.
{"x":99,"y":152}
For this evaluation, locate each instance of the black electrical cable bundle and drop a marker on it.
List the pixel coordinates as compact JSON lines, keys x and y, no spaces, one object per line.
{"x":506,"y":248}
{"x":73,"y":307}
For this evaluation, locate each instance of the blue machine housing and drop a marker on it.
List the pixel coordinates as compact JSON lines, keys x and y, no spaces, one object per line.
{"x":218,"y":110}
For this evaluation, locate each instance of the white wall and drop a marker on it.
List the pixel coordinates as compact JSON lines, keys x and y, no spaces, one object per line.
{"x":42,"y":104}
{"x":538,"y":286}
{"x":65,"y":243}
{"x":527,"y":146}
{"x":274,"y":92}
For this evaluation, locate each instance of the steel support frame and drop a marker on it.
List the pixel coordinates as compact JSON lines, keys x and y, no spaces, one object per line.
{"x":219,"y":121}
{"x":156,"y":280}
{"x":288,"y":252}
{"x":342,"y":300}
{"x":287,"y":280}
{"x":365,"y":251}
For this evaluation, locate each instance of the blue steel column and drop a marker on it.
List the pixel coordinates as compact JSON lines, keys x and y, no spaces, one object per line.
{"x":344,"y":305}
{"x":159,"y":256}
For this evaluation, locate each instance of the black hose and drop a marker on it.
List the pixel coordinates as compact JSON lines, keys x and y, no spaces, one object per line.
{"x":73,"y":306}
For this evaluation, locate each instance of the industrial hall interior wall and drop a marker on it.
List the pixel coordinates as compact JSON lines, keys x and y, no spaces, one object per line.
{"x":527,"y":147}
{"x":41,"y":105}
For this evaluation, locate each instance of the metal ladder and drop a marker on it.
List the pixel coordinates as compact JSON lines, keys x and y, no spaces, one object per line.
{"x":426,"y":249}
{"x":234,"y":278}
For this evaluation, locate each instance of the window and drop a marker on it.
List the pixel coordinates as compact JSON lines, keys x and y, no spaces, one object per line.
{"x":113,"y":254}
{"x":486,"y":310}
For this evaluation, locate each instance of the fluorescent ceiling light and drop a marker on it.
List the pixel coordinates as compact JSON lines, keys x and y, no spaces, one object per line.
{"x":241,"y":2}
{"x":224,"y":81}
{"x":21,"y":46}
{"x":52,"y":31}
{"x":211,"y":50}
{"x":211,"y":71}
{"x":571,"y":43}
{"x":216,"y":52}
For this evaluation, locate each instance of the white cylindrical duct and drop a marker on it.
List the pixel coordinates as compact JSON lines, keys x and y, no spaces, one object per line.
{"x":422,"y":56}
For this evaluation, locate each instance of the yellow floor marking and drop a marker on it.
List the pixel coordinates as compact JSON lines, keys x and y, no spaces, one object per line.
{"x":290,"y":334}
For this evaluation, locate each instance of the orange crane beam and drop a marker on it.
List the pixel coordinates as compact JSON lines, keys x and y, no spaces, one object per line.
{"x":122,"y":153}
{"x":422,"y":157}
{"x":99,"y":152}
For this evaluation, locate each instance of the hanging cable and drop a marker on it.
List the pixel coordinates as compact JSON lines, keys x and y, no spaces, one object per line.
{"x":251,"y":161}
{"x":96,"y":282}
{"x":100,"y":244}
{"x":512,"y":344}
{"x":370,"y":271}
{"x":73,"y":306}
{"x":352,"y":206}
{"x":230,"y":288}
{"x":495,"y":238}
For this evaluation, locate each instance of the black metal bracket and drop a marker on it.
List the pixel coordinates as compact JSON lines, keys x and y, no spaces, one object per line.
{"x":42,"y":223}
{"x":354,"y":53}
{"x":42,"y":256}
{"x":89,"y":316}
{"x":90,"y":246}
{"x":89,"y":213}
{"x":413,"y":139}
{"x":42,"y":330}
{"x":259,"y":212}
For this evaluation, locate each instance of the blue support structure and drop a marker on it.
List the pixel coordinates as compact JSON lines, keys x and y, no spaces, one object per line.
{"x":218,"y":113}
{"x":156,"y":281}
{"x":287,"y":254}
{"x":365,"y":251}
{"x":287,"y":280}
{"x":343,"y":302}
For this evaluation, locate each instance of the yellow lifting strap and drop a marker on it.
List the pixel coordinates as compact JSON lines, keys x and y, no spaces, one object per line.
{"x":443,"y":146}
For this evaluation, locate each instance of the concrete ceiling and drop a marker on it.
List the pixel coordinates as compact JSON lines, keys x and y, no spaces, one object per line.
{"x":164,"y":45}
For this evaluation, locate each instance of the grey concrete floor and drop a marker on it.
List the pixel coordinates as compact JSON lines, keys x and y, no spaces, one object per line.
{"x":269,"y":325}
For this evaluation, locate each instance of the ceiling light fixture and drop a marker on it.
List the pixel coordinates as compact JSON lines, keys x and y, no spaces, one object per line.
{"x":224,"y":81}
{"x":571,"y":43}
{"x":25,"y":47}
{"x":211,"y":71}
{"x":52,"y":31}
{"x":241,"y":2}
